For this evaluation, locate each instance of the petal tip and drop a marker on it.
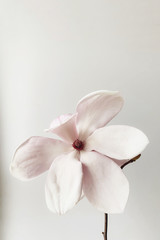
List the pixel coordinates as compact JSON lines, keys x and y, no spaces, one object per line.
{"x":16,"y":173}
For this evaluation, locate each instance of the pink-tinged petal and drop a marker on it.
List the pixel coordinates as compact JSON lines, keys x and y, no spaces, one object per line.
{"x":118,"y":142}
{"x":64,"y":183}
{"x":65,"y":127}
{"x":104,"y":183}
{"x":60,"y":120}
{"x":35,"y":156}
{"x":96,"y":110}
{"x":120,"y":162}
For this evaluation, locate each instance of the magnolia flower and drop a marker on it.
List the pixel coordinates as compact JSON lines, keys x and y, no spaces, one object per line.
{"x":87,"y":158}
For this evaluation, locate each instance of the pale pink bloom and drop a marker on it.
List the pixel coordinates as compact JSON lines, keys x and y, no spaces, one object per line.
{"x":87,"y":159}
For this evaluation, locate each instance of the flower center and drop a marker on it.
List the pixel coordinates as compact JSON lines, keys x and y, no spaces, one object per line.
{"x":78,"y":144}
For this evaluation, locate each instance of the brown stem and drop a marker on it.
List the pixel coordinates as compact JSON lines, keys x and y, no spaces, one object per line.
{"x":106,"y":215}
{"x":105,"y":226}
{"x":130,"y":161}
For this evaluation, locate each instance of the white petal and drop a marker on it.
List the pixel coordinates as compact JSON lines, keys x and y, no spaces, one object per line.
{"x":35,"y":156}
{"x":120,"y":162}
{"x":104,"y":183}
{"x":64,"y":183}
{"x":65,"y":127}
{"x":118,"y":142}
{"x":96,"y":110}
{"x":60,"y":120}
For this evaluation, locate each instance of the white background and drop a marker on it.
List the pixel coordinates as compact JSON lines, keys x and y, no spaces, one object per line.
{"x":52,"y":53}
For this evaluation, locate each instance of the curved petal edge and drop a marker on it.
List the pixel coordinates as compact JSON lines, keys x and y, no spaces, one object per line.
{"x":104,"y":183}
{"x":35,"y":156}
{"x":64,"y":183}
{"x":96,"y":110}
{"x":118,"y":141}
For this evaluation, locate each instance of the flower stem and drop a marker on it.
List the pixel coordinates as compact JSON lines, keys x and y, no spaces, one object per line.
{"x":130,"y":161}
{"x":105,"y":226}
{"x":105,"y":233}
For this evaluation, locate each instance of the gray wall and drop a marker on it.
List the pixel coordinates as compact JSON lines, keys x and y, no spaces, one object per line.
{"x":52,"y":54}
